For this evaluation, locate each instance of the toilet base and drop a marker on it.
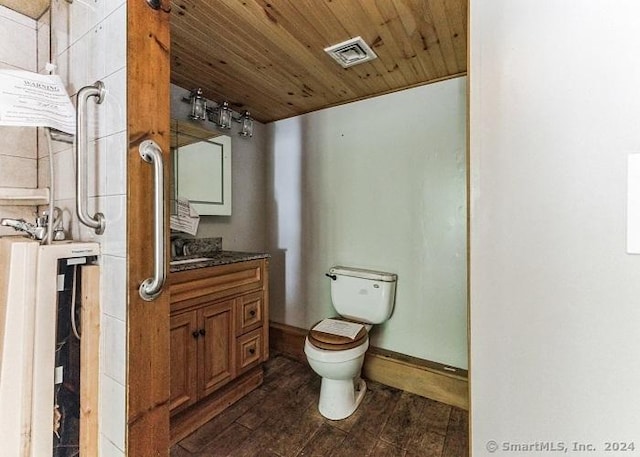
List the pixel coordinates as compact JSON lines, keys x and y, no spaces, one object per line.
{"x":339,"y":398}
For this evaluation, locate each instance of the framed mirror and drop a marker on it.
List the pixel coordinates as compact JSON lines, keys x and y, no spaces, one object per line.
{"x":201,"y":168}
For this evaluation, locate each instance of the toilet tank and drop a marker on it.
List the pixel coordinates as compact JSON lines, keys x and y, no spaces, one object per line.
{"x":363,"y":295}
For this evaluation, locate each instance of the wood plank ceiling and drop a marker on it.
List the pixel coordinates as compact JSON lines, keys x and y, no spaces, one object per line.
{"x":267,"y":55}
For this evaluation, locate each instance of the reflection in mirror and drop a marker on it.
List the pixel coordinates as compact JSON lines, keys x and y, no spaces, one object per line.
{"x":201,"y":168}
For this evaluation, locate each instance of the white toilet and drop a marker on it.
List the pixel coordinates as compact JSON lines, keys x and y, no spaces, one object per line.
{"x":360,"y":297}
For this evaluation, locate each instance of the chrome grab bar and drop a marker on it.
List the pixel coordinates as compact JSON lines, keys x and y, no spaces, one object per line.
{"x":151,"y":287}
{"x":96,"y":221}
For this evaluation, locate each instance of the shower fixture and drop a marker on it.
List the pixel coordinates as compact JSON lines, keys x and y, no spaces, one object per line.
{"x":34,"y":231}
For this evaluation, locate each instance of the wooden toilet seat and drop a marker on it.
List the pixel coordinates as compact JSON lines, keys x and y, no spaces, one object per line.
{"x":330,"y":342}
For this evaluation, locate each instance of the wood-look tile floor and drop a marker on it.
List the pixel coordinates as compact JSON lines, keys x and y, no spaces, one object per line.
{"x":281,"y":419}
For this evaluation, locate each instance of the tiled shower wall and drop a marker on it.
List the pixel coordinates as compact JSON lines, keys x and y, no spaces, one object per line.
{"x":88,"y":43}
{"x":19,"y":145}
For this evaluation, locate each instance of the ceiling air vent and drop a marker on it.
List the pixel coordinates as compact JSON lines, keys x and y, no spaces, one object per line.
{"x":351,"y":52}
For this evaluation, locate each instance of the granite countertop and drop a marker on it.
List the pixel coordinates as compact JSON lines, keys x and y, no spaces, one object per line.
{"x":213,"y":259}
{"x":208,"y":252}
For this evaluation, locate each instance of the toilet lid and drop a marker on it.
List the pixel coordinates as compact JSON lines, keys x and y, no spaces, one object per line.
{"x":332,"y":342}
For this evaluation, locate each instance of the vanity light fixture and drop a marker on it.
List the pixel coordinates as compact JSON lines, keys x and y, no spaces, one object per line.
{"x":222,"y":115}
{"x":198,"y":105}
{"x":218,"y":113}
{"x":246,"y":124}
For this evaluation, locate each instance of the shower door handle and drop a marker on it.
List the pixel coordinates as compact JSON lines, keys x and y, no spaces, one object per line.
{"x":151,"y":287}
{"x":96,"y":221}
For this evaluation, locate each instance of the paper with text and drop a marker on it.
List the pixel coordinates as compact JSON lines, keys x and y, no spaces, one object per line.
{"x":336,"y":327}
{"x":35,"y":100}
{"x":187,"y":218}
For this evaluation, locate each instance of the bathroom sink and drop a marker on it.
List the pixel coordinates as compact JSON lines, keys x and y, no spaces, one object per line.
{"x":185,"y":261}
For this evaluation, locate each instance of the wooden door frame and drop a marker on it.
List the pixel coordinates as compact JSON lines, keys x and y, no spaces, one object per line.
{"x":148,"y":108}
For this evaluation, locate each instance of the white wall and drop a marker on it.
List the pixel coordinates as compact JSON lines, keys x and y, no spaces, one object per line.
{"x":88,"y":42}
{"x":377,"y":184}
{"x":555,"y":299}
{"x":19,"y":145}
{"x":244,"y":230}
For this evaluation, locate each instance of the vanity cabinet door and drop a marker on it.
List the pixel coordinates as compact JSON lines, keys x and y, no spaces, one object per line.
{"x":184,"y":364}
{"x":217,"y":362}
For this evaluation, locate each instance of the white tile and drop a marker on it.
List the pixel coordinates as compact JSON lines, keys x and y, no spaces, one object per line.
{"x":77,"y":70}
{"x":14,"y":16}
{"x":19,"y":142}
{"x":43,"y":146}
{"x":114,"y":286}
{"x":44,"y":174}
{"x":43,"y":150}
{"x":114,"y":238}
{"x":60,"y":33}
{"x":6,"y":66}
{"x":18,"y":172}
{"x":98,"y":43}
{"x":62,"y":64}
{"x":86,"y":64}
{"x":84,"y":15}
{"x":116,"y":34}
{"x":111,"y":5}
{"x":115,"y":235}
{"x":65,"y":177}
{"x":112,"y":411}
{"x":116,"y":164}
{"x":111,"y":114}
{"x":43,"y":43}
{"x":113,"y":351}
{"x":86,"y":59}
{"x":108,"y":449}
{"x":18,"y":44}
{"x":59,"y":146}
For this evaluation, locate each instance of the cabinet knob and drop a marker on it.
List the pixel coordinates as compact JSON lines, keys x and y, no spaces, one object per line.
{"x":252,"y":313}
{"x":252,"y":351}
{"x":196,"y":334}
{"x":203,"y":332}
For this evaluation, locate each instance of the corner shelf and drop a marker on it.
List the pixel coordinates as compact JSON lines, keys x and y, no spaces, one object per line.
{"x":16,"y":196}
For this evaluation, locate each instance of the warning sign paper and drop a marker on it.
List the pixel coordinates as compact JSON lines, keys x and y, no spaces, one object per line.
{"x":31,"y":99}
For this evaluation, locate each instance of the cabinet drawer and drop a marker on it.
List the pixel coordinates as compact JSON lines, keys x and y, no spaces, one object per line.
{"x":195,"y":287}
{"x":249,"y":350}
{"x":249,"y":312}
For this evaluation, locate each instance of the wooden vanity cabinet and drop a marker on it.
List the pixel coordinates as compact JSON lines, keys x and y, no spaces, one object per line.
{"x":219,"y":339}
{"x":201,"y":344}
{"x":183,"y":360}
